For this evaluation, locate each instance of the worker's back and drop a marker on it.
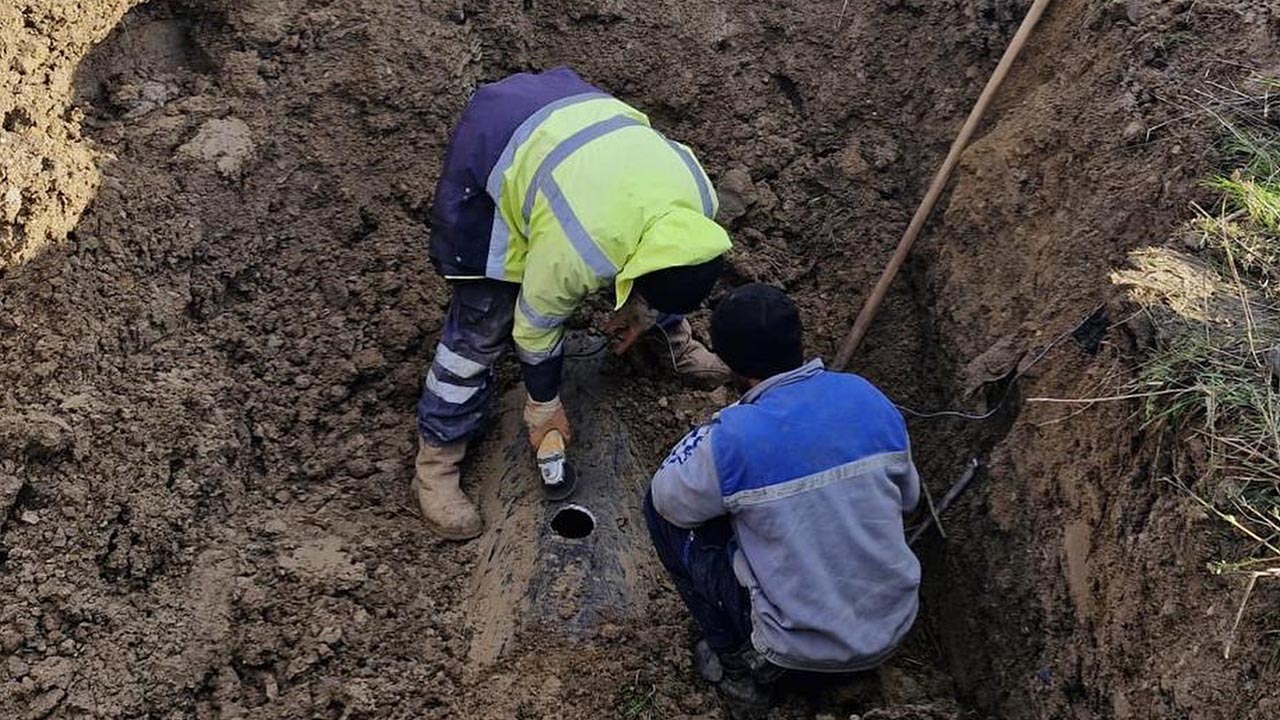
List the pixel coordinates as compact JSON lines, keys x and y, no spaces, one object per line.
{"x":577,"y":172}
{"x":816,"y":473}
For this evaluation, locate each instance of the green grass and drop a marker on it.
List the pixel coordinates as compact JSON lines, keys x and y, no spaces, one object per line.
{"x":1213,"y":380}
{"x":636,"y":701}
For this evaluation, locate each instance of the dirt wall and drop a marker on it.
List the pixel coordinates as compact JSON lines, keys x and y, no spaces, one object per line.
{"x":47,"y":172}
{"x":1077,"y":578}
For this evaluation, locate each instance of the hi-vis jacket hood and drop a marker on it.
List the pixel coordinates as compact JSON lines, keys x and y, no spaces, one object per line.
{"x":586,"y":194}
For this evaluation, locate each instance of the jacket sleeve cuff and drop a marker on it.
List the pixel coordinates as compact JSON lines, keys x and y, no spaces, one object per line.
{"x":543,"y":380}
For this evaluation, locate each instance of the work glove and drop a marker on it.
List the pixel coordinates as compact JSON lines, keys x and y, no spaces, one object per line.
{"x":632,"y":320}
{"x":543,"y":417}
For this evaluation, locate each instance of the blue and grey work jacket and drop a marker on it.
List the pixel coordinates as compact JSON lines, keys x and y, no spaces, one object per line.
{"x":814,"y":469}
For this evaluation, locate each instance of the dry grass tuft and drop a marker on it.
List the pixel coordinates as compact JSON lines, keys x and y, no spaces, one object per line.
{"x":1215,"y":372}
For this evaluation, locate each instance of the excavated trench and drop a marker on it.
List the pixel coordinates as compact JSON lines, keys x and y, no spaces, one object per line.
{"x":206,"y":417}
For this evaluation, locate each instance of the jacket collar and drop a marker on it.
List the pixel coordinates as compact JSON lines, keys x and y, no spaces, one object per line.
{"x":679,"y":236}
{"x":804,"y":372}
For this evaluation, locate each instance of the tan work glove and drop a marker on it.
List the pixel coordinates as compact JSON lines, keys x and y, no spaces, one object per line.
{"x":632,"y":320}
{"x":543,"y":417}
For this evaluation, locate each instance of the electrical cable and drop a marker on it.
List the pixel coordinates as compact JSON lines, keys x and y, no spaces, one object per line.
{"x":1008,"y":388}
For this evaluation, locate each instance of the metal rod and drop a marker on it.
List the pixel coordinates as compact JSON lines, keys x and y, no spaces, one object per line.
{"x":969,"y":473}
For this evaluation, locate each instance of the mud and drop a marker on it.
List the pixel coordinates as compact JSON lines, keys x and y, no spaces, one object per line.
{"x":216,"y":311}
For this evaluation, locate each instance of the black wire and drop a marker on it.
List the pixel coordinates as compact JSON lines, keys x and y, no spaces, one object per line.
{"x":1008,"y":388}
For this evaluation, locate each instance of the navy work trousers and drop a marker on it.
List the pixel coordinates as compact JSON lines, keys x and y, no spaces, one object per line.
{"x":459,"y":385}
{"x":700,"y":563}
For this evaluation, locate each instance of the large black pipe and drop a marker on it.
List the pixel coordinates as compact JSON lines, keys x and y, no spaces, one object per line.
{"x":569,"y":566}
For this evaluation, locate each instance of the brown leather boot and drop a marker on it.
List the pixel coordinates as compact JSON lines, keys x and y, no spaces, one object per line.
{"x":693,"y":361}
{"x":445,"y":508}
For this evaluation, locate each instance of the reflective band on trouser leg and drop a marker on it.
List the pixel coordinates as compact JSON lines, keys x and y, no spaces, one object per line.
{"x":704,"y":190}
{"x":578,"y":236}
{"x":567,"y":147}
{"x":456,"y":364}
{"x":447,"y":391}
{"x":458,"y":387}
{"x":537,"y":319}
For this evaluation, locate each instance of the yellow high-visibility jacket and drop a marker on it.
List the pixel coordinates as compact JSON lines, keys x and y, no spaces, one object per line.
{"x":588,"y":194}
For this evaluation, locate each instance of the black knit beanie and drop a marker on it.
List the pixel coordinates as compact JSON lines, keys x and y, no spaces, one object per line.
{"x":679,"y":289}
{"x":756,"y":331}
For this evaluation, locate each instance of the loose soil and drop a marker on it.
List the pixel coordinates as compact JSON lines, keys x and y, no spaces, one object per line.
{"x":217,"y":309}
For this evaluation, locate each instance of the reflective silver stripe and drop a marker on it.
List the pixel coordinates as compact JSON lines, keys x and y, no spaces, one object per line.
{"x":537,"y":319}
{"x":450,"y":393}
{"x":848,"y":471}
{"x":567,"y":147}
{"x":523,"y":132}
{"x":500,"y":233}
{"x":591,"y":253}
{"x":530,"y":357}
{"x":456,"y":364}
{"x":704,"y":188}
{"x":499,"y":243}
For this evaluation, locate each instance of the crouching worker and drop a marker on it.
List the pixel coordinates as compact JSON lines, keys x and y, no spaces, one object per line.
{"x":780,"y":521}
{"x":552,"y":190}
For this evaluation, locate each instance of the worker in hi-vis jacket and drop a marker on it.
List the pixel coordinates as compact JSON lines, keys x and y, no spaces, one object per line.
{"x":552,"y":190}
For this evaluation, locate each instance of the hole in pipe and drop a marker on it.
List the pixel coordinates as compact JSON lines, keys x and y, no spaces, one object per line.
{"x":573,"y":522}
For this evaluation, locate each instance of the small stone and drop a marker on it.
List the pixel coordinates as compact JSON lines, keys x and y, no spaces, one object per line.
{"x":302,"y":382}
{"x":1135,"y":10}
{"x":610,"y":632}
{"x":227,"y":143}
{"x":45,"y":704}
{"x":30,"y":517}
{"x":881,"y":155}
{"x":737,"y":194}
{"x":17,"y":668}
{"x":335,"y":292}
{"x":153,"y":91}
{"x":369,"y":360}
{"x":360,"y":467}
{"x":12,"y":204}
{"x":1134,"y":131}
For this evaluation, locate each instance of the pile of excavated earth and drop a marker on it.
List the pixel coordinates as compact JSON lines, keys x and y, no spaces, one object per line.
{"x":216,"y":311}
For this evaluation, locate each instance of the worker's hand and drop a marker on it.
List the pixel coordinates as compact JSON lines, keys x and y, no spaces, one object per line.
{"x":632,"y":320}
{"x":543,"y":417}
